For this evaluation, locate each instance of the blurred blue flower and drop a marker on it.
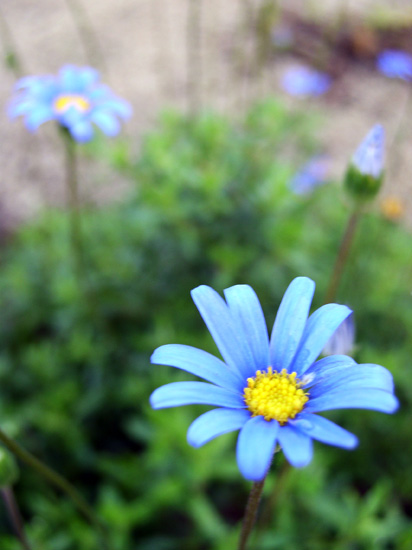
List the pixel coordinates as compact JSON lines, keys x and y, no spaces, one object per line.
{"x":342,"y":341}
{"x":311,"y":175}
{"x":74,"y":98}
{"x":305,"y":81}
{"x":270,"y":389}
{"x":395,"y":64}
{"x":368,"y":158}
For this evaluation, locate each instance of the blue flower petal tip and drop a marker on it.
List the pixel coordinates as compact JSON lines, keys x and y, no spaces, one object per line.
{"x":342,"y":342}
{"x":272,"y":388}
{"x":395,"y":64}
{"x":75,"y":98}
{"x":305,"y":81}
{"x":369,"y":158}
{"x":313,"y":174}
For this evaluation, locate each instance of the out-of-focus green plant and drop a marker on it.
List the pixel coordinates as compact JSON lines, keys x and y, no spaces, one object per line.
{"x":210,"y":205}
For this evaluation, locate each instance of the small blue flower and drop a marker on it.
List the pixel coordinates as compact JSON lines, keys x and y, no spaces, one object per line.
{"x":342,"y":342}
{"x":271,"y":389}
{"x":395,"y":64}
{"x":311,"y":175}
{"x":305,"y":81}
{"x":369,"y":156}
{"x":74,"y":98}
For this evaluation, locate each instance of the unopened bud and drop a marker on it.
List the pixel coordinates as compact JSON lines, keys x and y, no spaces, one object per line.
{"x":364,"y":176}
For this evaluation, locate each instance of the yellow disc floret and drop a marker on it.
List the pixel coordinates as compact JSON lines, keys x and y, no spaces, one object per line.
{"x":64,"y":102}
{"x":275,"y":395}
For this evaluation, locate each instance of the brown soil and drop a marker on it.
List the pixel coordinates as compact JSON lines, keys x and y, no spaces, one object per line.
{"x":152,"y":56}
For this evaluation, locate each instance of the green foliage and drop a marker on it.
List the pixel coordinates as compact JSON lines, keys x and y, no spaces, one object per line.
{"x":209,"y":205}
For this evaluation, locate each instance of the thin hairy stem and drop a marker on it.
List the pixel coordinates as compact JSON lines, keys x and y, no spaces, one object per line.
{"x":73,"y":202}
{"x":15,"y":517}
{"x":58,"y":481}
{"x":342,"y":256}
{"x":251,"y":512}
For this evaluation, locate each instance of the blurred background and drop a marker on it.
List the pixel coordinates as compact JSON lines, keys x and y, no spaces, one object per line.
{"x":200,"y":188}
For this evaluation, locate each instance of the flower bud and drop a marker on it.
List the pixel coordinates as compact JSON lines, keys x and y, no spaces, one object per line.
{"x":9,"y":472}
{"x":364,"y":175}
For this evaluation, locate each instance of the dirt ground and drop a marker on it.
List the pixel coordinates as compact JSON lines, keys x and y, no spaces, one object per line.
{"x":152,"y":53}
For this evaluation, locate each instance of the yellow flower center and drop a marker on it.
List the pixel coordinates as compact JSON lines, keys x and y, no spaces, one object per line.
{"x":64,"y":102}
{"x":275,"y":395}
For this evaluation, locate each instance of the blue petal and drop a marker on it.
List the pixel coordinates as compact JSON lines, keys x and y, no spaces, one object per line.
{"x":70,"y":79}
{"x":195,"y":393}
{"x":107,"y":123}
{"x":355,"y":377}
{"x":290,"y":322}
{"x":324,"y":430}
{"x":296,"y":446}
{"x":120,"y":107}
{"x":369,"y":398}
{"x":21,"y":107}
{"x":224,"y":330}
{"x":328,"y":366}
{"x":255,"y":447}
{"x":81,"y":131}
{"x":200,"y":363}
{"x":319,"y":328}
{"x":87,"y":76}
{"x":251,"y":325}
{"x":369,"y":156}
{"x":37,"y":116}
{"x":214,"y":423}
{"x":395,"y":64}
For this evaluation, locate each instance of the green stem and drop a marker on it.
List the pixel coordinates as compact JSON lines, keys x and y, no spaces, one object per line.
{"x":251,"y":512}
{"x":73,"y":201}
{"x":15,"y":516}
{"x":342,"y":256}
{"x":57,"y":480}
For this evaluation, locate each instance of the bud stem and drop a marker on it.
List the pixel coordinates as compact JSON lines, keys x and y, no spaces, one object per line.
{"x":15,"y":517}
{"x":342,"y":256}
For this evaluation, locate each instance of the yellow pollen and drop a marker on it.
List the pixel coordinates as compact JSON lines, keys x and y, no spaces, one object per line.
{"x":64,"y":102}
{"x":275,"y":395}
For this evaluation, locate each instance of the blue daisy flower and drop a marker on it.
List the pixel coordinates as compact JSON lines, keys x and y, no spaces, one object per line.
{"x":303,"y":81}
{"x":395,"y":64}
{"x":313,"y":174}
{"x":74,"y":98}
{"x":271,"y":389}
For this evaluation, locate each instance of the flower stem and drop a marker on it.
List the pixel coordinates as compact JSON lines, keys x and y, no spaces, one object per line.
{"x":251,"y":512}
{"x":15,"y":517}
{"x":73,"y":200}
{"x":342,"y":256}
{"x":58,"y":481}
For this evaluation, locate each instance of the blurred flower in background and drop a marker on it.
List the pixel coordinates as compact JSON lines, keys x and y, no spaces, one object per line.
{"x":304,"y":81}
{"x":342,"y":342}
{"x":392,"y":208}
{"x":395,"y":64}
{"x":74,"y":98}
{"x":271,"y":389}
{"x":311,"y":175}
